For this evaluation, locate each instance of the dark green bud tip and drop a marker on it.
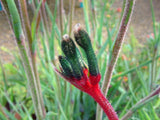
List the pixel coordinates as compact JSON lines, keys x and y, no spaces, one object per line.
{"x":69,"y":49}
{"x":81,"y":36}
{"x":66,"y":67}
{"x":68,"y":46}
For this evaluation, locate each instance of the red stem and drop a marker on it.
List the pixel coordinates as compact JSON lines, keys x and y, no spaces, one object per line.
{"x":96,"y":93}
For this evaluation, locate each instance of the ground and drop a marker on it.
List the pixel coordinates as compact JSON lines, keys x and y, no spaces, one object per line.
{"x":141,"y":23}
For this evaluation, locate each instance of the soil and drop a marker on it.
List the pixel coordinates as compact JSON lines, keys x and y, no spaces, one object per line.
{"x":142,"y":18}
{"x":141,"y":23}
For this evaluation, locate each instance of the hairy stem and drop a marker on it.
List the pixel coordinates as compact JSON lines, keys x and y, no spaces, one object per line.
{"x":20,"y":39}
{"x":104,"y":103}
{"x":27,"y":28}
{"x":117,"y":47}
{"x":142,"y":101}
{"x":31,"y":80}
{"x":25,"y":18}
{"x":118,"y":44}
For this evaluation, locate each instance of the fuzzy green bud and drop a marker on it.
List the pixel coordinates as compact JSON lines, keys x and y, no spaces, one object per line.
{"x":67,"y":70}
{"x":69,"y":49}
{"x":82,"y":37}
{"x":83,"y":40}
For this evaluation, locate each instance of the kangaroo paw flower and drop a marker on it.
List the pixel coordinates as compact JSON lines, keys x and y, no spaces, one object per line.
{"x":74,"y":70}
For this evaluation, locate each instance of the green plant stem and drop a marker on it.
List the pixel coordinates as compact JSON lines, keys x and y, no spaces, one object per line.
{"x":94,"y":20}
{"x":27,"y":28}
{"x":71,"y":15}
{"x":20,"y":39}
{"x":140,"y":103}
{"x":31,"y":80}
{"x":25,"y":18}
{"x":153,"y":68}
{"x":4,"y":76}
{"x":51,"y":45}
{"x":86,"y":14}
{"x":61,"y":16}
{"x":58,"y":84}
{"x":93,"y":12}
{"x":44,"y":16}
{"x":153,"y":19}
{"x":117,"y":47}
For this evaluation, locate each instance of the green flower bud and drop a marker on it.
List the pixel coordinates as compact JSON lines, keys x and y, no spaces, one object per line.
{"x":82,"y":38}
{"x":67,"y":70}
{"x":69,"y":49}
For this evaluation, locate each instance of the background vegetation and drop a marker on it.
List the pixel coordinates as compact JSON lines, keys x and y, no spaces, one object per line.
{"x":135,"y":76}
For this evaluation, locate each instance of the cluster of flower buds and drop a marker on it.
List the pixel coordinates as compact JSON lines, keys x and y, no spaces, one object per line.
{"x":72,"y":65}
{"x":75,"y":71}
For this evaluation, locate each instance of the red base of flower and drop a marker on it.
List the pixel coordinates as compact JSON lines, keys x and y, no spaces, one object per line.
{"x":90,"y":86}
{"x":94,"y":79}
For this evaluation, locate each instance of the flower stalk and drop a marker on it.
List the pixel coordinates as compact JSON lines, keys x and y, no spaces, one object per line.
{"x":117,"y":47}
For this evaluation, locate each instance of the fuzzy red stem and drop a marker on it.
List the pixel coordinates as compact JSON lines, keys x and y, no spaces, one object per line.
{"x":93,"y":90}
{"x":97,"y":95}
